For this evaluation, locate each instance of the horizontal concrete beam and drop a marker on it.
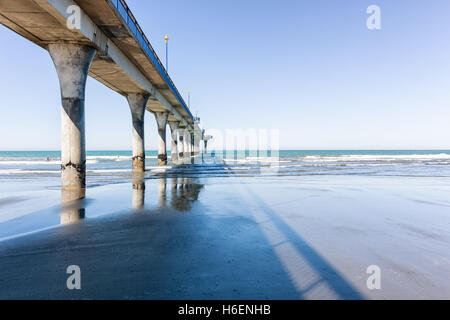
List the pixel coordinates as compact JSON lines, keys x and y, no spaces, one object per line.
{"x":107,"y":48}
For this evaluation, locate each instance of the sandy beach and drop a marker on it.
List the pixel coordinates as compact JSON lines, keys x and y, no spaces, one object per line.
{"x":225,"y":150}
{"x":188,"y":237}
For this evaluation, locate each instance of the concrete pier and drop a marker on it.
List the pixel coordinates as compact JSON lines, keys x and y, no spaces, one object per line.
{"x":187,"y":144}
{"x":161,"y":121}
{"x":174,"y":125}
{"x":107,"y":44}
{"x":72,"y":63}
{"x":180,"y":144}
{"x":205,"y":139}
{"x":192,"y":144}
{"x":137,"y":102}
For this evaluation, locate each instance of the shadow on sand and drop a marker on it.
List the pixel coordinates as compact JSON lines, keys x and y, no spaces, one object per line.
{"x":320,"y":269}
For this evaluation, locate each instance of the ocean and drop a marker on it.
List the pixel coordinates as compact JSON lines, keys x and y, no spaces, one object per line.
{"x":108,"y":166}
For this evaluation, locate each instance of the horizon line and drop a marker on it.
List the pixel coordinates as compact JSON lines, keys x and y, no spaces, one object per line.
{"x":155,"y":150}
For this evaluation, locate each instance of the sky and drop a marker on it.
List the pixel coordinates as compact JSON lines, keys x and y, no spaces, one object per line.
{"x":311,"y":69}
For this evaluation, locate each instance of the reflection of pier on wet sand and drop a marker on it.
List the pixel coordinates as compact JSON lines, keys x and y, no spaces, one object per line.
{"x":183,"y":192}
{"x":166,"y":245}
{"x":180,"y":237}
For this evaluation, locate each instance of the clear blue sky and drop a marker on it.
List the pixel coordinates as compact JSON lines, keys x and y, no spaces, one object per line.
{"x":310,"y":68}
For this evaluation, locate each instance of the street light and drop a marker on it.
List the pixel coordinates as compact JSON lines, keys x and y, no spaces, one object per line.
{"x":189,"y":99}
{"x":167,"y":52}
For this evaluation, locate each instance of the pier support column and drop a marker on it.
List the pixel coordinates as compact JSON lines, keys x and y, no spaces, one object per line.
{"x":197,"y":146}
{"x":180,"y":145}
{"x":174,"y":125}
{"x":72,"y":63}
{"x":161,"y":121}
{"x":137,"y":102}
{"x":192,"y":147}
{"x":197,"y":159}
{"x":187,"y":143}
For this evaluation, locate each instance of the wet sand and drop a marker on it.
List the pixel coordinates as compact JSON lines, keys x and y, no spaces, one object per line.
{"x":236,"y":238}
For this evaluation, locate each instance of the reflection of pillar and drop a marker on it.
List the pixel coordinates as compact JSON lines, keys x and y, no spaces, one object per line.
{"x":184,"y":193}
{"x":174,"y":197}
{"x":72,"y":63}
{"x":185,"y":182}
{"x":174,"y":183}
{"x":161,"y":121}
{"x":138,"y":195}
{"x":72,"y":205}
{"x":162,"y":192}
{"x":174,"y":133}
{"x":137,"y":102}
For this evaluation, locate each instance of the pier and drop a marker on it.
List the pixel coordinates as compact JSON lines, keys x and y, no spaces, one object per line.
{"x":102,"y":39}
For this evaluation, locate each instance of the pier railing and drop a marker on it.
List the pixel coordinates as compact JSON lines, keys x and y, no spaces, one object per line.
{"x":133,"y":25}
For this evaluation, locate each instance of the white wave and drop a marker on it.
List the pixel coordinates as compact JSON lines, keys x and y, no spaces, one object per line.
{"x":30,"y":162}
{"x":258,"y":159}
{"x":116,"y":158}
{"x":105,"y":157}
{"x":109,"y":170}
{"x":9,"y":171}
{"x":18,"y":171}
{"x":38,"y":162}
{"x":350,"y":158}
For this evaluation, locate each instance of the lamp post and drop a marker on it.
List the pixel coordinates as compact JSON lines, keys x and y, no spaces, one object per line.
{"x":167,"y":52}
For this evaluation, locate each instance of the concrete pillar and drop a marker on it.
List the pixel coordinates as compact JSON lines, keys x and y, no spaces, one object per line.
{"x":196,"y":144}
{"x":197,"y":147}
{"x":161,"y":121}
{"x":180,"y":144}
{"x":192,"y":147}
{"x":205,"y":151}
{"x":72,"y":63}
{"x":187,"y":143}
{"x":192,"y":144}
{"x":174,"y":125}
{"x":137,"y":103}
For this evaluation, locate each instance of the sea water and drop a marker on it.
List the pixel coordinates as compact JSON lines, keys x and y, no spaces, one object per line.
{"x":107,"y":166}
